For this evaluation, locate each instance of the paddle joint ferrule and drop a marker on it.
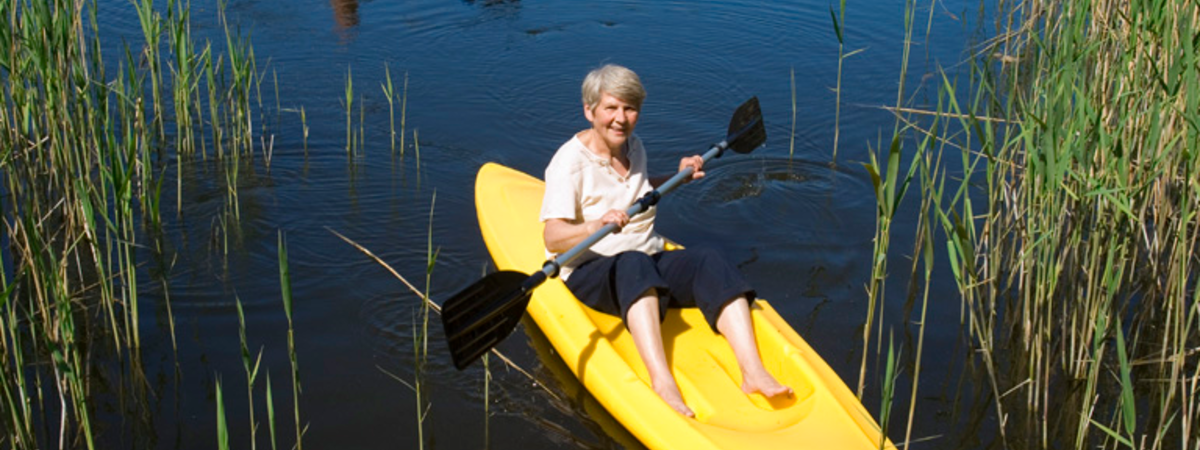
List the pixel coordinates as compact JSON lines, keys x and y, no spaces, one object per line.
{"x":720,"y":147}
{"x":550,"y":269}
{"x":650,"y":199}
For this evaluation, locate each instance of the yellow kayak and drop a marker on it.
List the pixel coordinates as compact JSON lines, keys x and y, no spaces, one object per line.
{"x":823,"y":414}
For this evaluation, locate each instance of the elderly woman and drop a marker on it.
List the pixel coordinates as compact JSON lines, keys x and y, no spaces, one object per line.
{"x":590,"y":182}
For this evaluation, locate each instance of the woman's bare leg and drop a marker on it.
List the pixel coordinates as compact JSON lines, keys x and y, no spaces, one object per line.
{"x":734,"y":322}
{"x":643,"y":322}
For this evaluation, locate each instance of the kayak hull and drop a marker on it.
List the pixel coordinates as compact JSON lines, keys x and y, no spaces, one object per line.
{"x":823,"y":413}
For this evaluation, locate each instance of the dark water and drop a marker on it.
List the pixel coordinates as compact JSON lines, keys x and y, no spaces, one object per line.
{"x":498,"y":81}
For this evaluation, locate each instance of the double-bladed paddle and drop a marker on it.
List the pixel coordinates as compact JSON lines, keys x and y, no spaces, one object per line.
{"x":480,"y":316}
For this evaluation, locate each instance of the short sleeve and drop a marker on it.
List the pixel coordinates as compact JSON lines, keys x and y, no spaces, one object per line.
{"x":562,"y":192}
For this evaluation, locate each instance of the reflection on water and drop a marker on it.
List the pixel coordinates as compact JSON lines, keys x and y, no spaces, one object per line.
{"x":345,"y":12}
{"x":574,"y":399}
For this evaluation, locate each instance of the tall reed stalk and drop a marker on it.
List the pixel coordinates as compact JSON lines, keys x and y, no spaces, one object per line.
{"x":285,"y":285}
{"x":389,"y":92}
{"x":421,"y":340}
{"x":349,"y":103}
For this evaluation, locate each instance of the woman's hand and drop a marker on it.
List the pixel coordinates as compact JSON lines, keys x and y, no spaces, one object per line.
{"x":560,"y":235}
{"x":695,"y":162}
{"x":613,"y":216}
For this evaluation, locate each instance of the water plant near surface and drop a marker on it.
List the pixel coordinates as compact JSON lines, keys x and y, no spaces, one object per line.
{"x":250,"y":368}
{"x":83,"y":166}
{"x":1071,"y":230}
{"x":389,"y":93}
{"x":285,"y":286}
{"x":349,"y":103}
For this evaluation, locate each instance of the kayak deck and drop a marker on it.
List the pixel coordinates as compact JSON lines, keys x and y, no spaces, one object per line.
{"x":823,"y":413}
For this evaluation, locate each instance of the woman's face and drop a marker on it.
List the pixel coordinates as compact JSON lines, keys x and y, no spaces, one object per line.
{"x":612,"y":119}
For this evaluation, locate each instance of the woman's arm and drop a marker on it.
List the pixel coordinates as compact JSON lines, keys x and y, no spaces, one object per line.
{"x":560,"y":235}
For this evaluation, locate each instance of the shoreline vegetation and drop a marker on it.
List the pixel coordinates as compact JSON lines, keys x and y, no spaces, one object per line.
{"x":1071,"y":229}
{"x":1069,"y":226}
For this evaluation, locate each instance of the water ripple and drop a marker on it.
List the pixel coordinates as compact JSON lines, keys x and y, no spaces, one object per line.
{"x":793,"y":200}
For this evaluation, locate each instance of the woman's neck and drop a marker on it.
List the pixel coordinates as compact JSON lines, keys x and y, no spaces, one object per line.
{"x":599,"y":147}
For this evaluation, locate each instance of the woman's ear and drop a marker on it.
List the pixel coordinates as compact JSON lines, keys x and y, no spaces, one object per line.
{"x":587,"y":112}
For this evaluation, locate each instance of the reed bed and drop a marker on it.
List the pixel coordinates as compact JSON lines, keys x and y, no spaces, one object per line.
{"x":1071,"y":229}
{"x":84,"y":153}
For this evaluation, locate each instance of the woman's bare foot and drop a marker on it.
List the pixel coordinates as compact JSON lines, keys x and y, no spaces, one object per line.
{"x":669,"y":392}
{"x":764,"y":384}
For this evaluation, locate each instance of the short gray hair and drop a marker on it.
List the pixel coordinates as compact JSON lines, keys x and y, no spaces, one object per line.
{"x":617,"y":81}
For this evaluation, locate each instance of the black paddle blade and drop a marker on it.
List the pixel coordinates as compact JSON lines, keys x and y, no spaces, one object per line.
{"x":483,"y":314}
{"x":746,"y":129}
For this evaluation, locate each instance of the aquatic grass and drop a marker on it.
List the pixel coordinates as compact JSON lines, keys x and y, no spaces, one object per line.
{"x":417,"y":151}
{"x":890,"y":186}
{"x":242,"y":76}
{"x":84,"y":164}
{"x":487,"y":402}
{"x":152,"y":31}
{"x":891,"y":372}
{"x":251,"y":369}
{"x":403,"y":112}
{"x":922,"y":267}
{"x":222,"y":425}
{"x":792,"y":138}
{"x":1071,"y":230}
{"x":889,"y":190}
{"x":304,"y":127}
{"x":349,"y":104}
{"x":285,"y":285}
{"x":838,"y":19}
{"x":216,"y":120}
{"x":270,"y":411}
{"x":421,"y":334}
{"x":389,"y":93}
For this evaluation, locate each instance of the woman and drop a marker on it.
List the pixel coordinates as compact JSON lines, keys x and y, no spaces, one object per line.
{"x":590,"y":182}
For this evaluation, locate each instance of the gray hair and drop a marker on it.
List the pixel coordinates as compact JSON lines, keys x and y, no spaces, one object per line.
{"x":617,"y":81}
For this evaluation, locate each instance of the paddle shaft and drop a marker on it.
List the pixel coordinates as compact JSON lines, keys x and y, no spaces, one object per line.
{"x":550,"y":269}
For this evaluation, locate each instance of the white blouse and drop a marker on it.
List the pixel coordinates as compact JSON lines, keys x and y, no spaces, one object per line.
{"x":582,"y":186}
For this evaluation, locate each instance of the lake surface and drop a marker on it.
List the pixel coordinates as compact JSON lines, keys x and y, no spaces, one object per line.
{"x":499,"y":81}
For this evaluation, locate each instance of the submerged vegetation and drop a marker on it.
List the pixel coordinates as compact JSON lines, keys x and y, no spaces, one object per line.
{"x":1071,"y":223}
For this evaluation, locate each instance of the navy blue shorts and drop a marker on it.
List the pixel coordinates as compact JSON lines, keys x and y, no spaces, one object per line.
{"x":684,"y":278}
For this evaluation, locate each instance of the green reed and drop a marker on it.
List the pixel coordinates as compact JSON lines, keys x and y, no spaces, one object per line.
{"x":1071,"y":231}
{"x":250,"y":368}
{"x":152,"y":30}
{"x":349,"y":104}
{"x":792,"y":136}
{"x":403,"y":112}
{"x":389,"y":93}
{"x":421,"y":340}
{"x":222,"y":425}
{"x":270,"y":411}
{"x":417,"y":151}
{"x":891,"y":372}
{"x":285,"y":285}
{"x":304,"y":128}
{"x":838,"y":19}
{"x":82,"y":150}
